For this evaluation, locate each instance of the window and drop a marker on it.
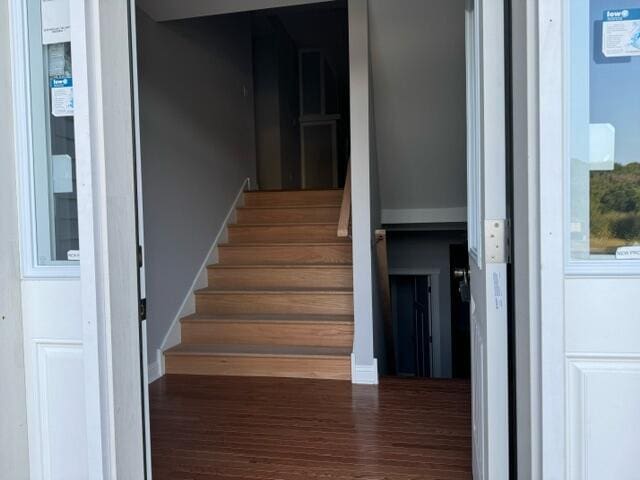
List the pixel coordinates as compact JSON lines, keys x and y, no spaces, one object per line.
{"x":47,"y":155}
{"x":604,"y":131}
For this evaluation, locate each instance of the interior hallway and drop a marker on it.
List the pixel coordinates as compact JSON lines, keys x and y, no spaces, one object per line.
{"x":223,"y":428}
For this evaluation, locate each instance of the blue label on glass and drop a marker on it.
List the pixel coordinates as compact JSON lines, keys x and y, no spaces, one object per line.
{"x":621,"y":15}
{"x":61,"y":82}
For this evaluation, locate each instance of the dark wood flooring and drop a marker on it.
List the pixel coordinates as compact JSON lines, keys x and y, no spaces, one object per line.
{"x":230,"y":428}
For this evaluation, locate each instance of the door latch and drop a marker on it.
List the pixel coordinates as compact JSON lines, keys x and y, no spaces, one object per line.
{"x":464,"y":289}
{"x":142,"y":309}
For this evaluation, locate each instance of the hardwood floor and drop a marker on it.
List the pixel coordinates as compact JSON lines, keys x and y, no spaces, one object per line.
{"x":241,"y":428}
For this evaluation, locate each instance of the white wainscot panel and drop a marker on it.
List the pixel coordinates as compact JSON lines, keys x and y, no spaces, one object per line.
{"x":52,"y":309}
{"x":61,"y":445}
{"x":603,"y":315}
{"x":604,"y":418}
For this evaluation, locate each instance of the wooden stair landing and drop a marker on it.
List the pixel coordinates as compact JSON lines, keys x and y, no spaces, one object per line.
{"x":280,"y":301}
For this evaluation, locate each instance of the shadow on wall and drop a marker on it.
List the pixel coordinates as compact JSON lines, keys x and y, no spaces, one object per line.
{"x":197,"y":134}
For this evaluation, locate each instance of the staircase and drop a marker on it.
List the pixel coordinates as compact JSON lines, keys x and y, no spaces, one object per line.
{"x":280,"y":301}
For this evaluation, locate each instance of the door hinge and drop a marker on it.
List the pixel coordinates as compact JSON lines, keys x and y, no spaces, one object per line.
{"x":142,"y":309}
{"x":140,"y":256}
{"x":497,"y":241}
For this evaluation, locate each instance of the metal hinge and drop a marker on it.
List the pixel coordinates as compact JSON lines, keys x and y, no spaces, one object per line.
{"x":497,"y":241}
{"x":142,"y":309}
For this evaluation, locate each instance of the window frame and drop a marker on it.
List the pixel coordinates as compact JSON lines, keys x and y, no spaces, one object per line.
{"x":474,"y":139}
{"x":24,"y":150}
{"x":607,"y":266}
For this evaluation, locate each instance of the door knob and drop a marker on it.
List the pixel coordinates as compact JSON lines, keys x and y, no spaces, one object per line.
{"x":461,"y":273}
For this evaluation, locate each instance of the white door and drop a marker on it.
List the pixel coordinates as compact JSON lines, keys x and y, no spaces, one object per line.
{"x":58,"y":401}
{"x":486,"y":193}
{"x":589,"y":240}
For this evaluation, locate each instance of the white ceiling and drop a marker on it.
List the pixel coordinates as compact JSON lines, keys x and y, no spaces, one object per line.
{"x":162,"y":10}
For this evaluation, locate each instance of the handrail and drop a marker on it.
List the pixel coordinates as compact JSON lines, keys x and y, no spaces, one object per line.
{"x":382,"y":263}
{"x":345,"y":207}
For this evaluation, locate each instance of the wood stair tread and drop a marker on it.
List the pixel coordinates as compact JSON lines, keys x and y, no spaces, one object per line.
{"x":292,"y":266}
{"x":289,"y":207}
{"x":293,"y":190}
{"x":275,"y":291}
{"x":269,"y":318}
{"x":278,"y":224}
{"x":258,"y":351}
{"x":279,"y":302}
{"x":284,"y":244}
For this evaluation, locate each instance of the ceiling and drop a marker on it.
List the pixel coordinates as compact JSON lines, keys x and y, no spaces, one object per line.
{"x":163,"y":10}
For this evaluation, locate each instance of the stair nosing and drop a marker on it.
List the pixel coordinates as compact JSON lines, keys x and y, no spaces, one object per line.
{"x":292,"y":318}
{"x":287,"y":207}
{"x":194,"y":351}
{"x":272,"y":291}
{"x":281,"y":266}
{"x":296,"y":190}
{"x":282,"y":244}
{"x":289,"y":224}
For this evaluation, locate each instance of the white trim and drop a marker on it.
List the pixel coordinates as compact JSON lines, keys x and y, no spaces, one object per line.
{"x":359,"y":81}
{"x":364,"y":374}
{"x":99,"y":403}
{"x":473,"y":216}
{"x":188,"y":306}
{"x":100,"y":410}
{"x":550,"y":135}
{"x":423,"y":215}
{"x":156,"y":369}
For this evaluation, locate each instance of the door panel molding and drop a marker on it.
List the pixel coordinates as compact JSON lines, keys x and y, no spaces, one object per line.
{"x":602,"y":411}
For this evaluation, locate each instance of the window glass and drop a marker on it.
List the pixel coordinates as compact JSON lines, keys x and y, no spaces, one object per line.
{"x":54,"y":195}
{"x":604,"y":146}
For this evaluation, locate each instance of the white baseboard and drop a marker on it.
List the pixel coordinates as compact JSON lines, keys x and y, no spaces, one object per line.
{"x":188,"y":307}
{"x":423,"y":215}
{"x":156,"y":369}
{"x":364,"y":374}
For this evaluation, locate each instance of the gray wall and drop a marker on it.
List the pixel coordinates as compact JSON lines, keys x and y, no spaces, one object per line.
{"x":429,"y":250}
{"x":197,"y":127}
{"x":14,"y":450}
{"x":418,"y":65}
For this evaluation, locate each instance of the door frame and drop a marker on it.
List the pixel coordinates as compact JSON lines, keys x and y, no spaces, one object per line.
{"x":105,"y":153}
{"x":107,"y":235}
{"x":549,"y":133}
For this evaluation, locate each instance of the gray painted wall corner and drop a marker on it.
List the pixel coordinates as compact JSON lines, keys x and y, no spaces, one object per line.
{"x":198,"y":146}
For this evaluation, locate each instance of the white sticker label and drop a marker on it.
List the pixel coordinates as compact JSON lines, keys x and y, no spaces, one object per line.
{"x":62,"y":97}
{"x":62,"y":174}
{"x":621,"y":33}
{"x":628,"y":253}
{"x":498,"y":295}
{"x":56,"y":22}
{"x":73,"y":255}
